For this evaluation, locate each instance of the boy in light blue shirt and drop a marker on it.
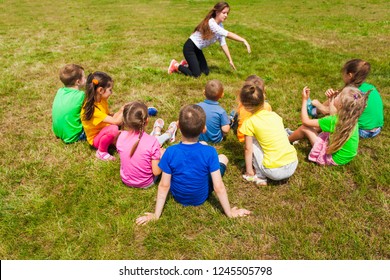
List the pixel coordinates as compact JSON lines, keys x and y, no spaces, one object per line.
{"x":217,"y":120}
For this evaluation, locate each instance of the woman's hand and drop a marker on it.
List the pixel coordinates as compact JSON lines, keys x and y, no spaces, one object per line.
{"x":232,"y":64}
{"x":248,"y":47}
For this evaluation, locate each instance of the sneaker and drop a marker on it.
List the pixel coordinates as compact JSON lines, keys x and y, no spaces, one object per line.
{"x":184,"y":63}
{"x":233,"y":117}
{"x":255,"y":179}
{"x":289,"y":131}
{"x":172,"y":66}
{"x":104,"y":156}
{"x":311,"y":110}
{"x":172,"y":128}
{"x":157,"y":127}
{"x":152,"y":111}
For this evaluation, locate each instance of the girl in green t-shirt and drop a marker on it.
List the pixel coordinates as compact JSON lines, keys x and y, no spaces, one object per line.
{"x":334,"y":138}
{"x":354,"y":73}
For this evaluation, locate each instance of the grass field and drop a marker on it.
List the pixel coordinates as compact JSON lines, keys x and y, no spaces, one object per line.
{"x":58,"y":202}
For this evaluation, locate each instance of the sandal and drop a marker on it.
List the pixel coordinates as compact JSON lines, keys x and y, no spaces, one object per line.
{"x":157,"y":127}
{"x":104,"y":156}
{"x":311,"y":110}
{"x":172,"y":128}
{"x":255,"y":179}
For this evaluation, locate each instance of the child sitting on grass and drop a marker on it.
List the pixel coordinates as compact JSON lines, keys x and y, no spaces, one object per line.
{"x":140,"y":152}
{"x":217,"y":121}
{"x":242,"y":113}
{"x":354,"y":73}
{"x":191,"y":170}
{"x":334,"y":138}
{"x":266,"y":144}
{"x":100,"y":126}
{"x":67,"y":105}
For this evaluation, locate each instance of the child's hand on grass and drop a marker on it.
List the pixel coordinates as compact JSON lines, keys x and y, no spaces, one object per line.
{"x":145,"y":219}
{"x":236,"y":212}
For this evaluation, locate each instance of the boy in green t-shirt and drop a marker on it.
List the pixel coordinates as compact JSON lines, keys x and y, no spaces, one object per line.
{"x":67,"y":104}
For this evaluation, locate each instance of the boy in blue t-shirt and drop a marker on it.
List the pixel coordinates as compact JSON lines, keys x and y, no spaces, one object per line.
{"x":191,"y":170}
{"x":217,"y":121}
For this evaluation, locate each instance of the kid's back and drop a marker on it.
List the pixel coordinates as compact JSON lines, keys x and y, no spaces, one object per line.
{"x":66,"y":122}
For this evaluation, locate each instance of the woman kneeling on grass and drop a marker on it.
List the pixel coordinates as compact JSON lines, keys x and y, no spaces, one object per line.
{"x":205,"y":34}
{"x":334,"y":138}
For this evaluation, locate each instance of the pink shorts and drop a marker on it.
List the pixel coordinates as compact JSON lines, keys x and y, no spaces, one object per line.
{"x":318,"y":152}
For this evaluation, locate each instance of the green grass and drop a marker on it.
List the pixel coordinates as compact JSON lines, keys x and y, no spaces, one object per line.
{"x":58,"y":202}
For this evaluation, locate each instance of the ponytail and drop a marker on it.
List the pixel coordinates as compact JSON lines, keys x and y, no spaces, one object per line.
{"x":94,"y":81}
{"x":135,"y":115}
{"x":251,"y":97}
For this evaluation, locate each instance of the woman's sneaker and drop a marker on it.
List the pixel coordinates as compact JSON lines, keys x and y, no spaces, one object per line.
{"x":173,"y":66}
{"x":184,"y":63}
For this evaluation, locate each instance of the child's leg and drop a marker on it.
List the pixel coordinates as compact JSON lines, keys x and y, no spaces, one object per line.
{"x":169,"y":134}
{"x":105,"y":138}
{"x":223,"y":162}
{"x":304,"y":132}
{"x":258,"y":156}
{"x":322,"y":108}
{"x":282,"y":172}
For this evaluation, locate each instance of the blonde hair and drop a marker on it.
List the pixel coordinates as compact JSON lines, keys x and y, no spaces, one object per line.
{"x":352,"y":103}
{"x":135,"y":115}
{"x":213,"y":90}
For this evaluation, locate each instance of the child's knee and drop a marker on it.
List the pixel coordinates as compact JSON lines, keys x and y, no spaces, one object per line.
{"x":223,"y":159}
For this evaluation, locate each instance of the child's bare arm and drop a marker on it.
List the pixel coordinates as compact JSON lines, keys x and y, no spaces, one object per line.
{"x":304,"y":115}
{"x":225,"y":129}
{"x":116,"y":119}
{"x":249,"y":155}
{"x":221,"y":193}
{"x":163,"y":189}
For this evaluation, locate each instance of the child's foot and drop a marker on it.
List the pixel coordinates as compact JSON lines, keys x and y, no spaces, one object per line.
{"x":255,"y":179}
{"x":289,"y":131}
{"x":233,"y":119}
{"x":173,"y":66}
{"x":184,"y":63}
{"x":152,"y":111}
{"x":172,"y":128}
{"x":311,"y":110}
{"x":157,"y":127}
{"x":104,"y":156}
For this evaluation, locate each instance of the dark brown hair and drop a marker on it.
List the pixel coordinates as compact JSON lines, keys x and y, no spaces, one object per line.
{"x":203,"y":27}
{"x":359,"y":69}
{"x":70,"y":73}
{"x":192,"y":120}
{"x":94,"y":81}
{"x":135,"y":115}
{"x":251,"y":97}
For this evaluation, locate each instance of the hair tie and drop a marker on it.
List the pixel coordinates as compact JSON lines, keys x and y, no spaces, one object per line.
{"x":355,"y":96}
{"x":95,"y":82}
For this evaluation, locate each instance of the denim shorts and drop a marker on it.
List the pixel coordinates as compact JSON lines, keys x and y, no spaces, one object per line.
{"x":369,"y":133}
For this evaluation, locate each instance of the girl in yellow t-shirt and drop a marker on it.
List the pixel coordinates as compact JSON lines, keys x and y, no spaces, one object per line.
{"x":267,"y":148}
{"x":99,"y":125}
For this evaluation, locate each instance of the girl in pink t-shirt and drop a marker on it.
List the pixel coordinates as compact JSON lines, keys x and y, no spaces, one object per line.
{"x":140,"y":152}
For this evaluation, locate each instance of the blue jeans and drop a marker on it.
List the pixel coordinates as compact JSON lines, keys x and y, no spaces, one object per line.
{"x":369,"y":133}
